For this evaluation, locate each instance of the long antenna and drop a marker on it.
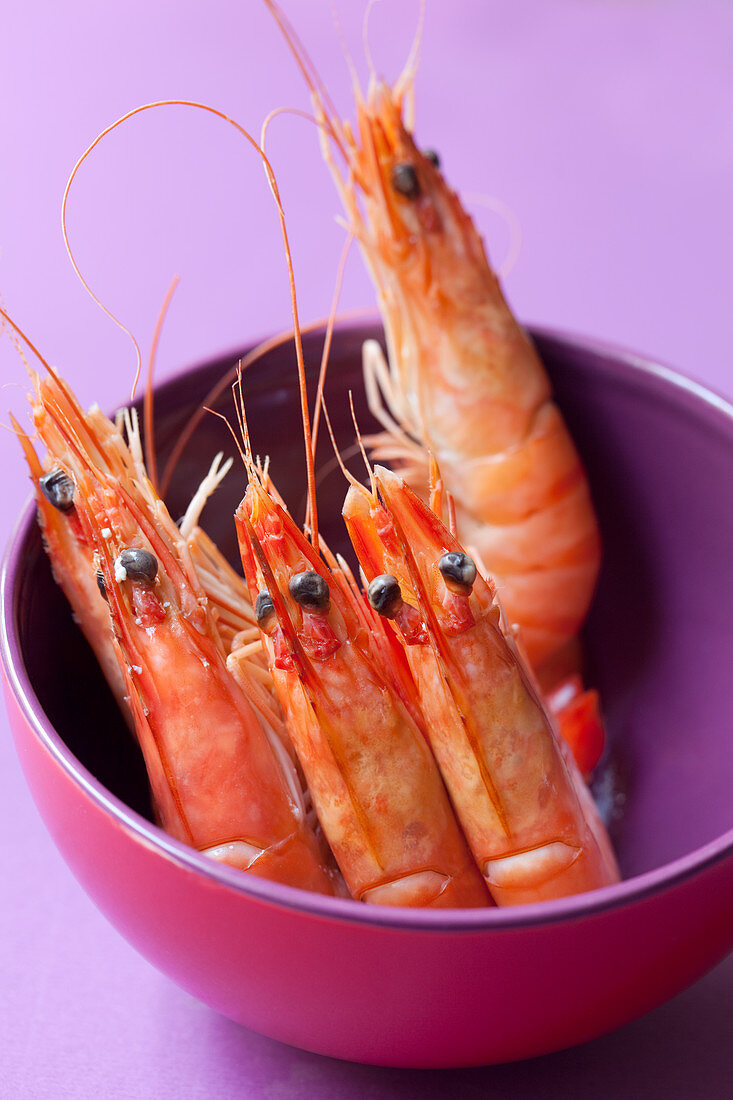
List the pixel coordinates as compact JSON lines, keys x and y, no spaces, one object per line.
{"x":148,"y":418}
{"x":272,"y":182}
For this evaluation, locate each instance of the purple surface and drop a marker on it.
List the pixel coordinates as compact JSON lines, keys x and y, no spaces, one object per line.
{"x":606,"y":128}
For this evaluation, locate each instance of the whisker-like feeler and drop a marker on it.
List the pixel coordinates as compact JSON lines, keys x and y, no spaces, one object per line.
{"x":13,"y":338}
{"x":360,"y":441}
{"x":513,"y":224}
{"x":148,"y":417}
{"x":233,"y":434}
{"x":405,"y":83}
{"x":373,"y":78}
{"x":225,"y":382}
{"x":329,"y":335}
{"x":334,"y":305}
{"x":347,"y":473}
{"x":344,"y":48}
{"x":64,"y":388}
{"x":281,"y":215}
{"x":312,"y":78}
{"x":29,"y":344}
{"x":239,"y":405}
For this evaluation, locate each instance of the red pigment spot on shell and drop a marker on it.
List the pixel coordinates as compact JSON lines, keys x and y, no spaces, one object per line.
{"x":457,"y":616}
{"x":318,"y":638}
{"x":410,"y":623}
{"x":283,"y":656}
{"x":427,"y":215}
{"x":76,"y":527}
{"x":147,"y":607}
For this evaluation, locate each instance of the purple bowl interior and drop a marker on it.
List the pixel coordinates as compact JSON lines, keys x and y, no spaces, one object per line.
{"x":658,"y":452}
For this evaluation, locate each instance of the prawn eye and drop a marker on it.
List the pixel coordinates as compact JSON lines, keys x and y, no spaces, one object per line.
{"x":405,"y":181}
{"x":264,"y":607}
{"x":310,"y":590}
{"x":432,"y":156}
{"x":457,"y":568}
{"x":99,"y":577}
{"x":136,"y":565}
{"x":384,"y":595}
{"x":58,"y":489}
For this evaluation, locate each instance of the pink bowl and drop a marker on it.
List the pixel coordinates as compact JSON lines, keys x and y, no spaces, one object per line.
{"x":451,"y":987}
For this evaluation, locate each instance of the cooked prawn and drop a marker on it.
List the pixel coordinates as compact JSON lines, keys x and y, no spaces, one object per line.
{"x":374,"y":783}
{"x":524,"y":808}
{"x":464,"y":380}
{"x":220,"y":780}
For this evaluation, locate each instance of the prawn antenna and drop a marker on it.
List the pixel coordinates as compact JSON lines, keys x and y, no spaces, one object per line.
{"x":345,"y":49}
{"x":253,"y":356}
{"x":311,"y":76}
{"x":360,"y":441}
{"x":65,"y":232}
{"x":272,"y":182}
{"x":405,"y":83}
{"x":373,"y":78}
{"x":511,"y":221}
{"x":346,"y":472}
{"x":320,"y":403}
{"x":17,"y":331}
{"x":311,"y":519}
{"x":148,"y":412}
{"x":57,"y":379}
{"x":238,"y":395}
{"x":329,"y":334}
{"x":233,"y":434}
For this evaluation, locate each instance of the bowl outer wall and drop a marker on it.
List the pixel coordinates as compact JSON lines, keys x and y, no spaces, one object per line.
{"x":380,"y":994}
{"x":597,"y":967}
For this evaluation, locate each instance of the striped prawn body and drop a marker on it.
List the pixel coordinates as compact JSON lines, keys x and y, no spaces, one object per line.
{"x":462,"y":380}
{"x":529,"y":820}
{"x":374,"y":783}
{"x":218,"y":780}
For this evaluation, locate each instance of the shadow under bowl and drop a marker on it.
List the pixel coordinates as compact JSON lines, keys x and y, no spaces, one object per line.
{"x":448,"y":987}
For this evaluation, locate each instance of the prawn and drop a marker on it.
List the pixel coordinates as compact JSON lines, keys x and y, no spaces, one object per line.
{"x":463,"y":380}
{"x":373,"y":780}
{"x":219,"y":778}
{"x":528,"y":817}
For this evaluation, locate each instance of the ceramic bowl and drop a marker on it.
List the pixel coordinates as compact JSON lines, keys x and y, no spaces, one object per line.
{"x":436,"y":988}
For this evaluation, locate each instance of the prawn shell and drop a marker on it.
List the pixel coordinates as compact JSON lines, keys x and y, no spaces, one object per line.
{"x":509,"y":780}
{"x":375,"y":785}
{"x":217,"y":783}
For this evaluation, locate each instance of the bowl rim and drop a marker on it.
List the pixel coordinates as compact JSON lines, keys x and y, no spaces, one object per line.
{"x":143,"y":831}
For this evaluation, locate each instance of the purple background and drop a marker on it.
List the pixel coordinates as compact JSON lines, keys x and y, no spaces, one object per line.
{"x":606,"y":126}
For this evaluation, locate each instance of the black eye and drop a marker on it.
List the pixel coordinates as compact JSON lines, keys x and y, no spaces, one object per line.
{"x":58,"y":489}
{"x":264,"y":607}
{"x":101,"y":585}
{"x":310,"y":590}
{"x":405,"y":181}
{"x":432,"y":156}
{"x":138,"y":565}
{"x":458,"y":568}
{"x":384,"y":595}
